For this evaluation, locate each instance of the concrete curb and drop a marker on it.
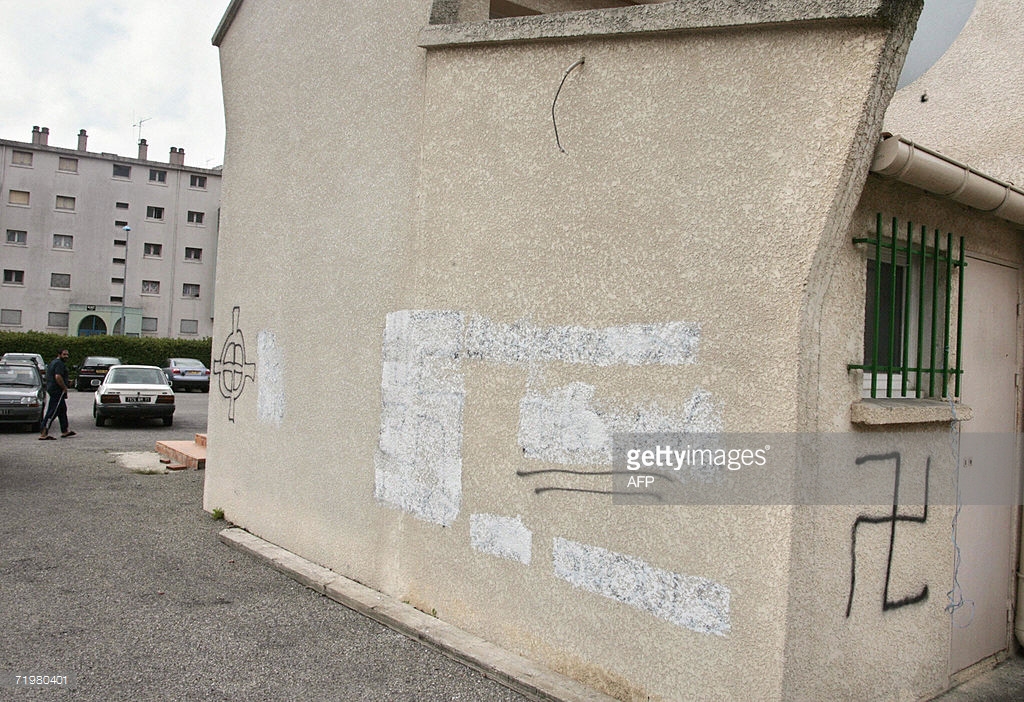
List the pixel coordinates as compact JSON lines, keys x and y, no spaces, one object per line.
{"x":520,"y":674}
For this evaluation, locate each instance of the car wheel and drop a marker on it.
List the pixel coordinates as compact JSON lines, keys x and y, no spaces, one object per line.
{"x":168,"y":421}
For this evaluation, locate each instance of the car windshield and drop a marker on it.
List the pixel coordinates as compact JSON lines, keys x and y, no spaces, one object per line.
{"x":100,"y":361}
{"x":186,"y":363}
{"x":21,"y":377}
{"x":137,"y":376}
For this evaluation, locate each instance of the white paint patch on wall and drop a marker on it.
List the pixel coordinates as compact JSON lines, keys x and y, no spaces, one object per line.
{"x":669,"y":343}
{"x":505,"y":537}
{"x":563,"y":427}
{"x":270,"y":370}
{"x":567,"y":425}
{"x":696,"y":603}
{"x":419,"y":457}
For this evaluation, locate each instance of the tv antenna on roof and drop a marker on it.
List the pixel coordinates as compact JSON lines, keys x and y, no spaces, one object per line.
{"x":139,"y":125}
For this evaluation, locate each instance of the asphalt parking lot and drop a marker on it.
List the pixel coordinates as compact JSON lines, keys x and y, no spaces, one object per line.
{"x":115,"y":578}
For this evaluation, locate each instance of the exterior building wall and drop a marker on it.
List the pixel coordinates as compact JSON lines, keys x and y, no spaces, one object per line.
{"x":96,"y":224}
{"x":486,"y":306}
{"x":971,"y":107}
{"x":839,"y":617}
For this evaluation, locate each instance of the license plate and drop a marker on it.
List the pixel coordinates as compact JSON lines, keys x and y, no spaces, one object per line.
{"x":135,"y":399}
{"x":191,"y":372}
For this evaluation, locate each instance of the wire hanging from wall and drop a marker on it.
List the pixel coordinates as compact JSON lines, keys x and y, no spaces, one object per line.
{"x":554,"y":122}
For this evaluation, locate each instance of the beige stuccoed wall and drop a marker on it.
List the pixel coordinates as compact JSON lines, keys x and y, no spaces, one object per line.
{"x":416,"y":268}
{"x":972,"y":112}
{"x":902,"y":653}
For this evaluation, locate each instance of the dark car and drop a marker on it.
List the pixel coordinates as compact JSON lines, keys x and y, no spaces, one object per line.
{"x":22,"y":395}
{"x":134,"y":392}
{"x":186,"y":373}
{"x":93,"y":370}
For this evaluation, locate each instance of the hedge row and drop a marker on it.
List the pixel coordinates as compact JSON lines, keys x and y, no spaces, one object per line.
{"x":145,"y":350}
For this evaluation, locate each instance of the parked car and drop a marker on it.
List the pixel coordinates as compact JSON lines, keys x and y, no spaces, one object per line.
{"x":187,"y":373}
{"x":93,"y":370}
{"x":33,"y":358}
{"x":138,"y":392}
{"x":22,"y":395}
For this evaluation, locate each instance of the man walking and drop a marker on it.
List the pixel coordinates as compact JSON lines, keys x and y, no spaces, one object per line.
{"x":57,"y":383}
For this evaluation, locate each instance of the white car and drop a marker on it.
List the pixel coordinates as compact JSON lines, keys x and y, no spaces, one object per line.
{"x":33,"y":358}
{"x":138,"y":392}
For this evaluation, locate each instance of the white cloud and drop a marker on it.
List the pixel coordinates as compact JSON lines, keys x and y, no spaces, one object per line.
{"x":104,"y":65}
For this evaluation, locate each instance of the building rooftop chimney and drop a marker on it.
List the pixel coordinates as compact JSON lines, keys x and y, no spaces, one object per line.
{"x":143,"y":150}
{"x":82,"y":139}
{"x":177,"y":156}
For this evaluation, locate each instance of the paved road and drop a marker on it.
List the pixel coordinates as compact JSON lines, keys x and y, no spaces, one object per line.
{"x":116,"y":579}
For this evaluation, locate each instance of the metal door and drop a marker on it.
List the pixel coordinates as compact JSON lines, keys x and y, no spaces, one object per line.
{"x":984,"y":534}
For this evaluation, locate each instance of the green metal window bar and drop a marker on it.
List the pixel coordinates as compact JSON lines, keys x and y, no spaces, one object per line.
{"x":911,"y":305}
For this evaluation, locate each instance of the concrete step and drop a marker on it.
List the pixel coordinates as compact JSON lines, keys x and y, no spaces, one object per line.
{"x":201,"y":440}
{"x":188,"y":454}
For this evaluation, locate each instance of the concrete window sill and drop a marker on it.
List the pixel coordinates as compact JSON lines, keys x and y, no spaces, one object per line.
{"x":902,"y":411}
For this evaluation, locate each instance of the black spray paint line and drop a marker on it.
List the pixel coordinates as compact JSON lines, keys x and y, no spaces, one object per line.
{"x":569,"y":471}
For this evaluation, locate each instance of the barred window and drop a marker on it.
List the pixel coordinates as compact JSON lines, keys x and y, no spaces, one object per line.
{"x":912,"y":326}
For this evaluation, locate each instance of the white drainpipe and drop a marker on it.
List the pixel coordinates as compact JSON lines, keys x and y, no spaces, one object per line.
{"x":929,"y":170}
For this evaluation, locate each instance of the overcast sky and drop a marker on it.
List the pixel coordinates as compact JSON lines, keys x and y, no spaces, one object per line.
{"x":108,"y":66}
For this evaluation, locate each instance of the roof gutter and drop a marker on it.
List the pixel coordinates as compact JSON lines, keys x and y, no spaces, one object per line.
{"x":929,"y":170}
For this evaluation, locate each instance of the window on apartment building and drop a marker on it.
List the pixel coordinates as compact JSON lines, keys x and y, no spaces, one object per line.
{"x":151,"y":287}
{"x":65,"y":202}
{"x":157,"y":176}
{"x":195,"y":217}
{"x":57,"y":319}
{"x":18,"y":197}
{"x":150,"y":249}
{"x":116,"y":299}
{"x":121,"y":205}
{"x":153,"y":212}
{"x":122,"y":171}
{"x":21,"y":158}
{"x":67,"y":165}
{"x":119,"y":224}
{"x":14,"y":277}
{"x":18,"y":237}
{"x":117,"y":261}
{"x":10,"y":317}
{"x":117,"y":281}
{"x":190,"y":290}
{"x":189,"y":326}
{"x":197,"y":181}
{"x":60,"y":280}
{"x":910,"y":348}
{"x":63,"y":241}
{"x":193,"y":254}
{"x":120,"y":242}
{"x":149,"y":324}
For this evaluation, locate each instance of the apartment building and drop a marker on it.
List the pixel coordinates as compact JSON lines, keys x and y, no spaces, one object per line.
{"x":96,"y":243}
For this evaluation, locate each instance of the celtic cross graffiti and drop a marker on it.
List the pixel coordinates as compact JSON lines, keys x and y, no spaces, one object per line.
{"x":231,"y":369}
